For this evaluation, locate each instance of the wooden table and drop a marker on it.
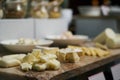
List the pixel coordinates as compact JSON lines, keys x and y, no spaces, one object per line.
{"x":67,"y":70}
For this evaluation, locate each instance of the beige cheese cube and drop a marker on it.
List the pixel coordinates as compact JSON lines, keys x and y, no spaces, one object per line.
{"x":37,"y":53}
{"x":68,"y":55}
{"x":72,"y":57}
{"x":53,"y":64}
{"x":61,"y":57}
{"x":78,"y":49}
{"x":30,"y":59}
{"x":40,"y":66}
{"x":47,"y":57}
{"x":26,"y":66}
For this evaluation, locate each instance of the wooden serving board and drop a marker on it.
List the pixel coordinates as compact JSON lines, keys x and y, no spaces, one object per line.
{"x":66,"y":71}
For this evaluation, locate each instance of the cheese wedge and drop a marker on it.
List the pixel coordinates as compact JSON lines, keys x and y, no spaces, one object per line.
{"x":107,"y":33}
{"x":113,"y":43}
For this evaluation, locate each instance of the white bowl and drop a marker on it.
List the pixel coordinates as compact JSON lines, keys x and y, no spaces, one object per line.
{"x":12,"y":46}
{"x":78,"y":39}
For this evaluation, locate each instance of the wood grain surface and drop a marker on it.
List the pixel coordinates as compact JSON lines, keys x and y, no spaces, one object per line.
{"x":67,"y":70}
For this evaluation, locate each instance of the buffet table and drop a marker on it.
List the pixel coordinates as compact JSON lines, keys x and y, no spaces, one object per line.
{"x":67,"y":70}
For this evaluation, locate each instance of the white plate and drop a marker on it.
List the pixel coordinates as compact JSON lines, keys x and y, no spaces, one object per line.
{"x":78,"y":39}
{"x":12,"y":46}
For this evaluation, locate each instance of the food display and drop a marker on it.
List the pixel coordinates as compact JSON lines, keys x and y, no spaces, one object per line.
{"x":50,"y":58}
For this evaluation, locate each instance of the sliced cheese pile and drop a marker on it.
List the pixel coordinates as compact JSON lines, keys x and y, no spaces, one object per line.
{"x":40,"y":61}
{"x":91,"y":51}
{"x":47,"y":58}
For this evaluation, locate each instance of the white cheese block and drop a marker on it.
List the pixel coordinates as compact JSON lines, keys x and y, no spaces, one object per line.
{"x":47,"y":57}
{"x":53,"y":64}
{"x":26,"y":66}
{"x":40,"y":67}
{"x":113,"y":43}
{"x":107,"y":33}
{"x":15,"y":56}
{"x":4,"y":62}
{"x":69,"y":55}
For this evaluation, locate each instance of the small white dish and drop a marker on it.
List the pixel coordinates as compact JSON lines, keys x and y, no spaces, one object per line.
{"x":77,"y":39}
{"x":13,"y":46}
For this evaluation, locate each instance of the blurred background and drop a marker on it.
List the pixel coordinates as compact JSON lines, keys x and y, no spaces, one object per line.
{"x":83,"y":17}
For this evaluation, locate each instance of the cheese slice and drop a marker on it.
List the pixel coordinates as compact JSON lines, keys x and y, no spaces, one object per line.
{"x":4,"y":62}
{"x":15,"y":56}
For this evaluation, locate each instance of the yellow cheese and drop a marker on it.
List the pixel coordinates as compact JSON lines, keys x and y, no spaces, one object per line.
{"x":113,"y":43}
{"x":107,"y":33}
{"x":72,"y":57}
{"x":30,"y":59}
{"x":40,"y":66}
{"x":93,"y":53}
{"x":52,"y":50}
{"x":68,"y":55}
{"x":4,"y":62}
{"x":26,"y":66}
{"x":53,"y":64}
{"x":47,"y":57}
{"x":15,"y":56}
